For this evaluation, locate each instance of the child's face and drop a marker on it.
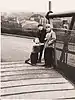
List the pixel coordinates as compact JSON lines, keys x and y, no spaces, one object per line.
{"x":48,"y":28}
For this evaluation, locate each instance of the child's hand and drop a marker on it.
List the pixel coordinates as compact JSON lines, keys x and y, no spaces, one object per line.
{"x":45,"y":39}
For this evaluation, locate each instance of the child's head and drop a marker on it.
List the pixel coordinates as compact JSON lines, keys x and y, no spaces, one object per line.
{"x":48,"y":27}
{"x":36,"y":40}
{"x":40,"y":27}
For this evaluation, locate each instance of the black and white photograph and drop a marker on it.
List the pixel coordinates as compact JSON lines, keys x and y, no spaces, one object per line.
{"x":37,"y":50}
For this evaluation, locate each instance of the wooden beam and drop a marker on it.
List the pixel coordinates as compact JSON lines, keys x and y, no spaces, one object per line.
{"x":66,"y":14}
{"x":49,"y":5}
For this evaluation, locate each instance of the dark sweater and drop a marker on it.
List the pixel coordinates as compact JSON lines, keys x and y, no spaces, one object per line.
{"x":41,"y":35}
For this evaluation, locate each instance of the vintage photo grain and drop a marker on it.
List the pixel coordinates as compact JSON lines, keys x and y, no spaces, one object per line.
{"x":37,"y":49}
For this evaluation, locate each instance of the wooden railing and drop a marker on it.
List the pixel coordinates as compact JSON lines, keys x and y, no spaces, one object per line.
{"x":65,"y":51}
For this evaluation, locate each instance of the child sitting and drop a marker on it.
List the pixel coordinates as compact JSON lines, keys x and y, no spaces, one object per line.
{"x":34,"y":52}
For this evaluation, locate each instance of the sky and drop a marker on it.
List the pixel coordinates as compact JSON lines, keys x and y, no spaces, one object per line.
{"x":24,"y":5}
{"x":63,"y":5}
{"x":36,"y":5}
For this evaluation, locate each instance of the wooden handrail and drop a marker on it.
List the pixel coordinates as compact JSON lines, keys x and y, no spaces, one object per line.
{"x":62,"y":29}
{"x":71,"y":52}
{"x":64,"y":14}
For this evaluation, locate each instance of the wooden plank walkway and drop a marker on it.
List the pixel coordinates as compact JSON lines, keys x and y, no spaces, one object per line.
{"x":23,"y":81}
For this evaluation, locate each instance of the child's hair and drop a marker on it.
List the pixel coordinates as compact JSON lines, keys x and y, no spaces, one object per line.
{"x":40,"y":25}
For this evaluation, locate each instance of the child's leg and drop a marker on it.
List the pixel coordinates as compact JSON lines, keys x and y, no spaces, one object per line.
{"x":26,"y":61}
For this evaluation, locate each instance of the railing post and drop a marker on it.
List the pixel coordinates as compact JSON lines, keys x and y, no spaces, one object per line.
{"x":51,"y":22}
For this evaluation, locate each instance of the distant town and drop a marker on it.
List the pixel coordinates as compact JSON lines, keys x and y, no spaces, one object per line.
{"x":25,"y":23}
